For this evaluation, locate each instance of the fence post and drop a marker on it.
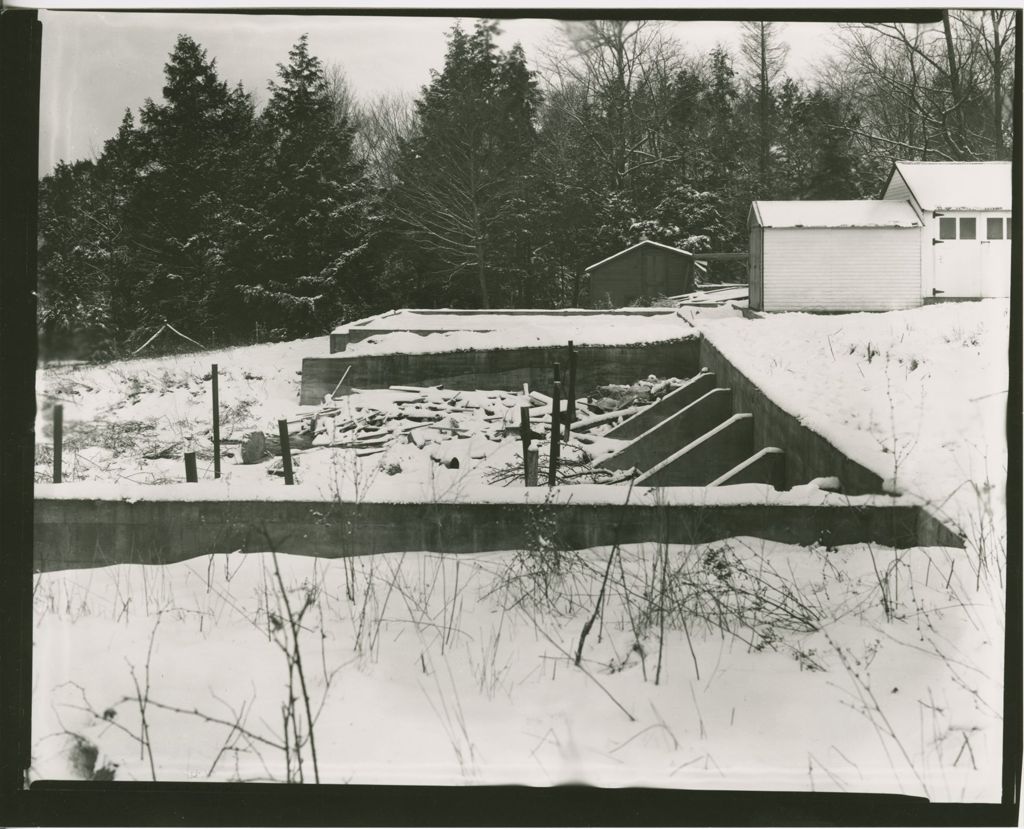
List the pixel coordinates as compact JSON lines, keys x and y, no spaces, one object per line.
{"x":532,"y":457}
{"x":58,"y":442}
{"x":556,"y":407}
{"x":216,"y":421}
{"x":570,"y":403}
{"x":524,"y":437}
{"x":286,"y":452}
{"x":191,"y":476}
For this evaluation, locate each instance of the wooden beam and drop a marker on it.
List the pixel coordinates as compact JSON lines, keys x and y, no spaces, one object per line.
{"x":720,"y":257}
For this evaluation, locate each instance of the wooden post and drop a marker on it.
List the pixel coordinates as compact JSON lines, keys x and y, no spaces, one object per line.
{"x":216,"y":421}
{"x":286,"y":452}
{"x":58,"y":442}
{"x":524,"y":437}
{"x":191,"y":476}
{"x":556,"y":406}
{"x":570,"y":403}
{"x":532,"y":456}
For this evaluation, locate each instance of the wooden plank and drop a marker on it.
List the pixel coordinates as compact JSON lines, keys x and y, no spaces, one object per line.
{"x":588,"y":422}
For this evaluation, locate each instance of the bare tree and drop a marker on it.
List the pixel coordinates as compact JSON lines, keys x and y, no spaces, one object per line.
{"x":339,"y":90}
{"x":765,"y":56}
{"x":615,"y":82}
{"x":993,"y":33}
{"x":932,"y":90}
{"x":382,"y":126}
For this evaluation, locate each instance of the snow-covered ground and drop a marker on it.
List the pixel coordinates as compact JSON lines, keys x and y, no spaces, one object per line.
{"x":753,"y":665}
{"x":858,"y":669}
{"x":491,"y":331}
{"x":917,"y":396}
{"x":129,"y":423}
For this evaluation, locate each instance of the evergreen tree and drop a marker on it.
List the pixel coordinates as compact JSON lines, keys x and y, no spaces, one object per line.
{"x":72,"y":285}
{"x":188,"y":163}
{"x":461,"y":174}
{"x":307,"y":229}
{"x":764,"y":54}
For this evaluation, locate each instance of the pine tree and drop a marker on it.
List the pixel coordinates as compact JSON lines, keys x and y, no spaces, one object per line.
{"x":460,"y":175}
{"x":307,"y":229}
{"x":765,"y":56}
{"x":187,"y":151}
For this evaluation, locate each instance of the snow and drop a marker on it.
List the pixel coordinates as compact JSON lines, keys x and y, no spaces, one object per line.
{"x":848,"y":213}
{"x":959,"y":185}
{"x":917,"y":396}
{"x":496,"y":331}
{"x":409,"y":319}
{"x":457,"y":670}
{"x":860,"y":669}
{"x":383,"y":489}
{"x":645,"y":242}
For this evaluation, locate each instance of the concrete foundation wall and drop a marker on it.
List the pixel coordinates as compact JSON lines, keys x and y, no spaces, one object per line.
{"x":808,"y":454}
{"x":707,"y":458}
{"x":85,"y":533}
{"x":673,"y":433}
{"x":767,"y":466}
{"x":668,"y":405}
{"x":424,"y":320}
{"x":501,"y":369}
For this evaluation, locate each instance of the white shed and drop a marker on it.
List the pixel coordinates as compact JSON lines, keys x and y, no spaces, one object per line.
{"x":834,"y":255}
{"x":965,"y":212}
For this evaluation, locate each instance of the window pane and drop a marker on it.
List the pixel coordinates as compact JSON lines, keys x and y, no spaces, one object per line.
{"x":1009,"y":225}
{"x":947,"y":228}
{"x":968,"y":228}
{"x":994,"y":229}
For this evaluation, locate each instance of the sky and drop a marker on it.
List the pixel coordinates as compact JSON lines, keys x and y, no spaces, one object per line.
{"x":97,"y":63}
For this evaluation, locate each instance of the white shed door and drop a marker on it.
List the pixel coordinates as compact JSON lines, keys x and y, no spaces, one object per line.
{"x":995,"y":268}
{"x":957,"y":270}
{"x":957,"y":258}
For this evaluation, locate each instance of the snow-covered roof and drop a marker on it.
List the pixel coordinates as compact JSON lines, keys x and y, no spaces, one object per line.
{"x":634,"y":247}
{"x":958,"y":185}
{"x":859,"y":213}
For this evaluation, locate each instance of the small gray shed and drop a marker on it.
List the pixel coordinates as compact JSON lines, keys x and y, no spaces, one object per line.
{"x":834,"y":255}
{"x":642,"y":271}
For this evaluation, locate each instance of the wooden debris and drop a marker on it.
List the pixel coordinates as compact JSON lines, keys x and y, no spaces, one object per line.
{"x":589,"y":422}
{"x":415,"y":389}
{"x":413,"y":413}
{"x":171,"y":450}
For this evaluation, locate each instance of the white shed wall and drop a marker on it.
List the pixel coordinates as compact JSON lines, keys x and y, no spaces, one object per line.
{"x":897,"y":188}
{"x":841,"y":269}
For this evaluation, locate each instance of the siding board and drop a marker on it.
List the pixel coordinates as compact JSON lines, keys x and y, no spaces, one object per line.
{"x":642,"y":272}
{"x":897,"y":188}
{"x":841,"y":269}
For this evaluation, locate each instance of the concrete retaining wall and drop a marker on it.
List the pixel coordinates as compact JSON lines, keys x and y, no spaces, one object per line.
{"x":508,"y":369}
{"x":422,"y":321}
{"x":667,"y":406}
{"x":808,"y":454}
{"x":707,"y":458}
{"x":72,"y":533}
{"x":678,"y":430}
{"x":766,"y":466}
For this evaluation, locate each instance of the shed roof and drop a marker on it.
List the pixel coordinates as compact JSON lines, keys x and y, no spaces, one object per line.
{"x":859,"y":213}
{"x":634,"y":247}
{"x":958,"y":185}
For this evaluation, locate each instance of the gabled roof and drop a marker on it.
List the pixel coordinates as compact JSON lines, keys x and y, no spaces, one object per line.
{"x":634,"y":247}
{"x":957,"y":185}
{"x":858,"y":213}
